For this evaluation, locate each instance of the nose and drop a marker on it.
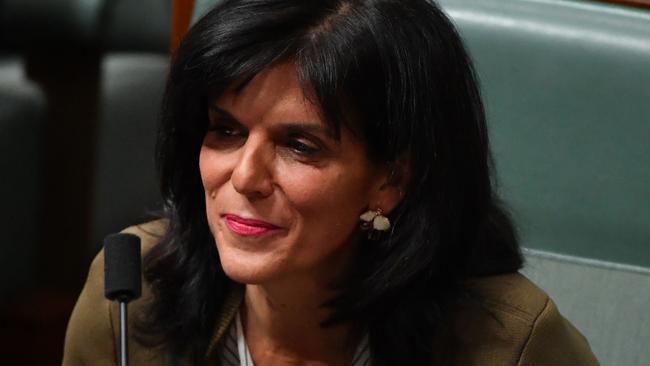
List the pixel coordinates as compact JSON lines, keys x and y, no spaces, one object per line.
{"x":251,"y":175}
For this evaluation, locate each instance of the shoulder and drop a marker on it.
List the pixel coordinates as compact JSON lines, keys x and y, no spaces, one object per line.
{"x":149,"y":233}
{"x":516,"y":324}
{"x":510,"y":295}
{"x":92,"y":328}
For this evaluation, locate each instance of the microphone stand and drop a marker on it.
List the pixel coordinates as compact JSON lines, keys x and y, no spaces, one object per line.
{"x":124,"y":345}
{"x":122,"y":282}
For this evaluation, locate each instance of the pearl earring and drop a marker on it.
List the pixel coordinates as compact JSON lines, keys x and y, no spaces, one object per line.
{"x":375,"y":222}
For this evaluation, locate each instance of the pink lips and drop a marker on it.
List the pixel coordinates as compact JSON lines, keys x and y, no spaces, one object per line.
{"x":248,"y":227}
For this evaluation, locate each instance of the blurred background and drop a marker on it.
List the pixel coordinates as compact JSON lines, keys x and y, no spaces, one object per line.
{"x":80,"y":89}
{"x":567,"y":89}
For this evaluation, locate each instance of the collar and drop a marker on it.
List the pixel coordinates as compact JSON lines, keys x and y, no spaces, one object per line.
{"x":227,"y":315}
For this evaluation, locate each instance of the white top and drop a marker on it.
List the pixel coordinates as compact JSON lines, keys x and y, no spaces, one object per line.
{"x":234,"y":350}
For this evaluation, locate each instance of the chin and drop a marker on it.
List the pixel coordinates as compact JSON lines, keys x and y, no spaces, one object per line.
{"x":248,"y":268}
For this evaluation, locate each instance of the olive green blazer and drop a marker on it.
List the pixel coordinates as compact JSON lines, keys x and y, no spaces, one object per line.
{"x":525,"y":327}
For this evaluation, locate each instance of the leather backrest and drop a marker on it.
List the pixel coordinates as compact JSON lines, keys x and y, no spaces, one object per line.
{"x":567,"y":89}
{"x":607,"y":302}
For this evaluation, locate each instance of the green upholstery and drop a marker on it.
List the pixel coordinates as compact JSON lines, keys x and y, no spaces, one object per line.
{"x":567,"y":89}
{"x":126,"y":189}
{"x":201,"y":7}
{"x":137,"y":26}
{"x":22,"y":125}
{"x":609,"y":303}
{"x":25,"y":21}
{"x":134,"y":39}
{"x":133,"y":73}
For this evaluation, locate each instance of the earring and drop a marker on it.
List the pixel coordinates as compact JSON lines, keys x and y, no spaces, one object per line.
{"x":375,"y":222}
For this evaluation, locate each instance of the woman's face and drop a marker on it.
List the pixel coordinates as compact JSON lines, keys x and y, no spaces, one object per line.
{"x":283,"y":195}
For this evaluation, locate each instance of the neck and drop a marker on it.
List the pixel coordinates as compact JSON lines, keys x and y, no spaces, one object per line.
{"x":282,"y":325}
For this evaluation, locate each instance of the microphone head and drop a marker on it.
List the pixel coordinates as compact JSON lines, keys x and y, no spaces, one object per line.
{"x":122,"y":267}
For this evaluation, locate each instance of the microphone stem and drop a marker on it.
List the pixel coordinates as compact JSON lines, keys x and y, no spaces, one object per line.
{"x":124,"y":347}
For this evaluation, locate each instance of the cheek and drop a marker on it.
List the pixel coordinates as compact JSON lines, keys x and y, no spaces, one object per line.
{"x":212,"y":167}
{"x":214,"y":173}
{"x":326,"y":199}
{"x":205,"y":167}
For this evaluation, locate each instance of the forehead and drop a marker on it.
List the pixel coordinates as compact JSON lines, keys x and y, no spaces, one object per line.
{"x":275,"y":92}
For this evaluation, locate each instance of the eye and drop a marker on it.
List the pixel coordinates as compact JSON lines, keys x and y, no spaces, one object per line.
{"x":225,"y":133}
{"x":303,"y":146}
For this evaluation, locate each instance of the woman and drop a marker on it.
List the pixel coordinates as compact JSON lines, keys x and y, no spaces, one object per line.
{"x":326,"y":176}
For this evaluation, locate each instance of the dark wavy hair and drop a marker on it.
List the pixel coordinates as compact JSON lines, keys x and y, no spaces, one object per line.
{"x":401,"y":67}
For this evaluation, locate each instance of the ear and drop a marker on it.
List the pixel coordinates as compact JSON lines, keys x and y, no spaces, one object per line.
{"x":391,"y":186}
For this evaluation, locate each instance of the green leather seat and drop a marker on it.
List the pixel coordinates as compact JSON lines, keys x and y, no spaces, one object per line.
{"x":567,"y":88}
{"x":607,"y":302}
{"x":133,"y":73}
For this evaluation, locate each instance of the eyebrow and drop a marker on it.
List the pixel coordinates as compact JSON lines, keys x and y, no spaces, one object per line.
{"x":223,"y":112}
{"x":295,"y":127}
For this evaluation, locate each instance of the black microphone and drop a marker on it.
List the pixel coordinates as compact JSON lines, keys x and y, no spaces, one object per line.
{"x":122,"y":270}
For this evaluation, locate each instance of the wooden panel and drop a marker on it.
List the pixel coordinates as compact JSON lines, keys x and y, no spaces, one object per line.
{"x":181,"y":18}
{"x":636,"y":3}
